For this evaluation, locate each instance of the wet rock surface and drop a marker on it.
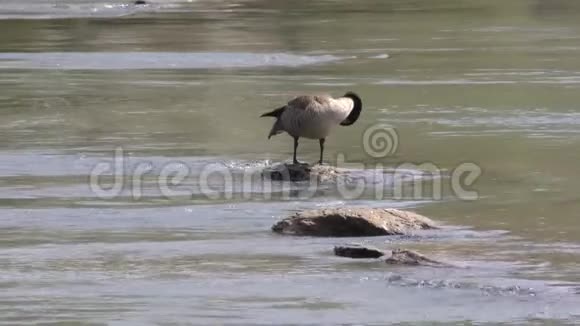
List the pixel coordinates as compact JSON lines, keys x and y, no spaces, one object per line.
{"x":409,"y":257}
{"x":353,"y":222}
{"x":396,"y":257}
{"x":301,"y":172}
{"x":358,"y":251}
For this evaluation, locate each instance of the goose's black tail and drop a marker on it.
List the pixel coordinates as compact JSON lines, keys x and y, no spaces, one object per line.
{"x":276,"y":113}
{"x":277,"y":127}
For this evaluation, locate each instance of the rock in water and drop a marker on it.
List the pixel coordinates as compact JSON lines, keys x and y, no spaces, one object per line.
{"x":398,"y":256}
{"x":300,"y":172}
{"x":358,"y":251}
{"x":352,"y":222}
{"x":409,"y":257}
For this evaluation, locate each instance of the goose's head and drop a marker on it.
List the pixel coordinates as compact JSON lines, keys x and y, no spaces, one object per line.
{"x":356,"y":109}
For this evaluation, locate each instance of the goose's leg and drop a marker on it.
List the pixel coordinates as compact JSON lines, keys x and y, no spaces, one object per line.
{"x":321,"y":141}
{"x":295,"y":161}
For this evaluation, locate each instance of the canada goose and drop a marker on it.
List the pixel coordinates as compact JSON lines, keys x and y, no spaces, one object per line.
{"x":313,"y":117}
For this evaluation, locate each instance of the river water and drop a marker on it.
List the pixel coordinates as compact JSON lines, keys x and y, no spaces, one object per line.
{"x":160,"y":102}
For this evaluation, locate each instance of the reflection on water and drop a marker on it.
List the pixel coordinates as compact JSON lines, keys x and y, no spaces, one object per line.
{"x":493,"y":83}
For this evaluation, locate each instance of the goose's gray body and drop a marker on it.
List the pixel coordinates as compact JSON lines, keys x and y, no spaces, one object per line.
{"x":313,"y":116}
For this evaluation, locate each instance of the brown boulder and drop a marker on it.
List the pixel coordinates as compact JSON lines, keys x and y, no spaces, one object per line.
{"x":352,"y":222}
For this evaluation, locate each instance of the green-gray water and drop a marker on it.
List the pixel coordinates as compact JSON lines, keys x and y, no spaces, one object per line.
{"x":490,"y":82}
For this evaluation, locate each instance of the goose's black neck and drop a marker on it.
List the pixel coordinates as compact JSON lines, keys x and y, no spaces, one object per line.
{"x":357,"y":108}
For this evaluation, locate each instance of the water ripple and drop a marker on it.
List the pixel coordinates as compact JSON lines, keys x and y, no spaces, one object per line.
{"x":156,"y":60}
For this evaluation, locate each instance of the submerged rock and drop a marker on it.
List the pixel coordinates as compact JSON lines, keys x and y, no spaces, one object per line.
{"x":300,"y":172}
{"x":409,"y":257}
{"x":358,"y":251}
{"x":398,"y":256}
{"x":352,"y":222}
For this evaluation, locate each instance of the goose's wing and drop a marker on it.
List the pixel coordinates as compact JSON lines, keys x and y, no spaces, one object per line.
{"x":309,"y":102}
{"x":324,"y":107}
